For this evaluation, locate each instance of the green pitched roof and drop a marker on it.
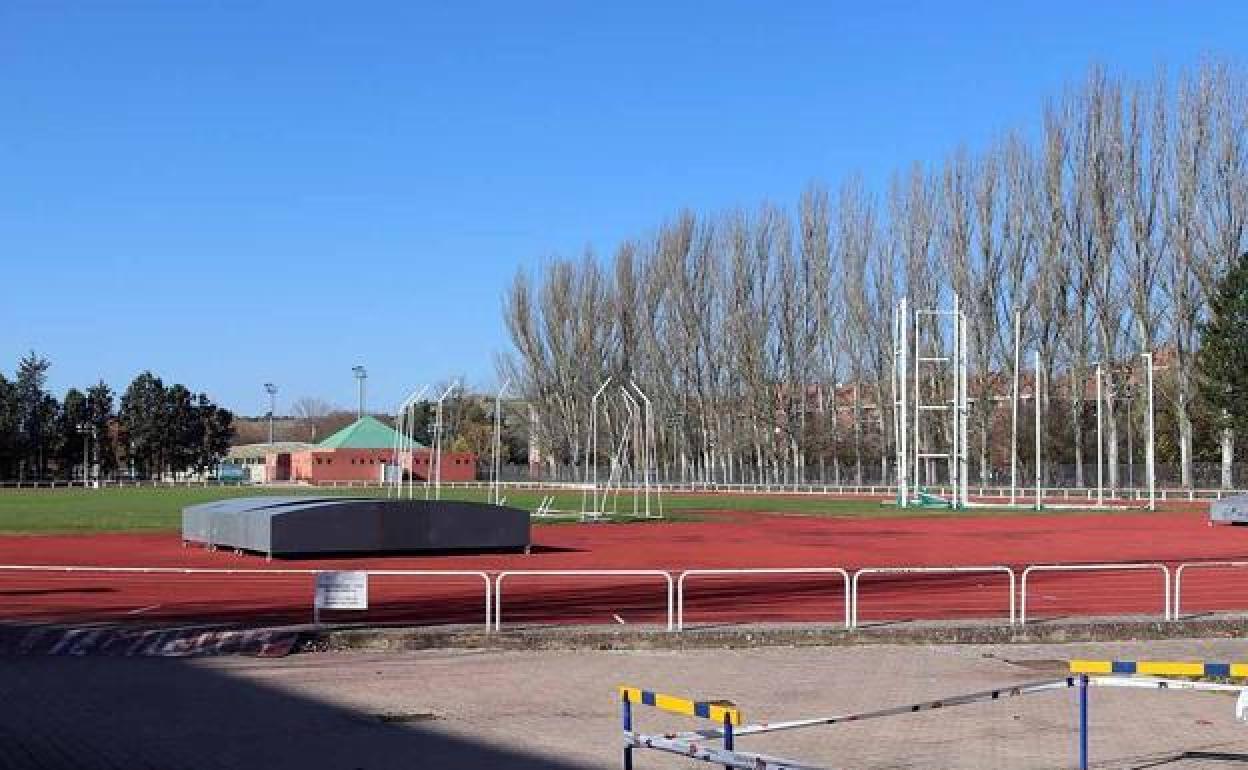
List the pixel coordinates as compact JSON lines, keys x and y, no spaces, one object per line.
{"x":365,"y":433}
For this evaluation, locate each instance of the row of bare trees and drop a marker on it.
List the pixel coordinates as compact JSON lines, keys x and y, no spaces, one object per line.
{"x":763,"y":336}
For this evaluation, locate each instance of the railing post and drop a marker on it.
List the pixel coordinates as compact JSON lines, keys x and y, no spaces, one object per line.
{"x":728,"y":742}
{"x":626,"y":714}
{"x":1083,"y":722}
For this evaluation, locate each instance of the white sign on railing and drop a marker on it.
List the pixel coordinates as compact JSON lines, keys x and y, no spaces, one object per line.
{"x":341,"y":590}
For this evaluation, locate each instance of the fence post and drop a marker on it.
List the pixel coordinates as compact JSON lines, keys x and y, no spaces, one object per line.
{"x":626,"y":713}
{"x":728,"y":742}
{"x":1083,"y":722}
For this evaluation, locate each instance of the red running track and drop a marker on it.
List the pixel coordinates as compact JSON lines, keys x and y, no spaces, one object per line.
{"x":726,"y":541}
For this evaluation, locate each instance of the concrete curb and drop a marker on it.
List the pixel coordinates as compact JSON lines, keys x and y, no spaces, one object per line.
{"x":616,"y":638}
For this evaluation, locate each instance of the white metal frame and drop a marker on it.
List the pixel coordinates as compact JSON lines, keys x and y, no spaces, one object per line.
{"x":680,"y":583}
{"x":988,"y":569}
{"x":498,"y":585}
{"x":1165,"y":615}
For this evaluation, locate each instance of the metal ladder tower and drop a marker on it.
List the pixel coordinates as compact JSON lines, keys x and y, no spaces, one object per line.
{"x":917,"y":360}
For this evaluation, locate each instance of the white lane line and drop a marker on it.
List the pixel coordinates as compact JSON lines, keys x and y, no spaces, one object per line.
{"x":142,"y":609}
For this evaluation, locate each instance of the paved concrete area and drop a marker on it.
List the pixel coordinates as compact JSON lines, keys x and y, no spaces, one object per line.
{"x":555,"y":709}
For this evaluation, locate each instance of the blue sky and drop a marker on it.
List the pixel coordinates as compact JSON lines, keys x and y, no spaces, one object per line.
{"x":230,"y":193}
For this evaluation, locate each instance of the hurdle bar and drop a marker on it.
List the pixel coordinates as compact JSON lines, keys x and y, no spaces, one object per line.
{"x":1159,"y":668}
{"x":722,"y":711}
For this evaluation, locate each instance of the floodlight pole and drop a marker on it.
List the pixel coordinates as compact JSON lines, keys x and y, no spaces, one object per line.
{"x":1018,"y":330}
{"x":437,"y":443}
{"x":964,"y":431}
{"x":901,"y":416}
{"x":1151,"y":452}
{"x":1100,"y":465}
{"x":1036,"y":397}
{"x":361,"y":374}
{"x":498,"y":443}
{"x":271,"y":389}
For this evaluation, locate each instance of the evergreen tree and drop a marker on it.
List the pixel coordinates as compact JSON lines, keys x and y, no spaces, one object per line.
{"x":10,"y":420}
{"x":32,"y":411}
{"x":143,"y":422}
{"x":100,"y":405}
{"x":71,"y":419}
{"x":1223,"y":357}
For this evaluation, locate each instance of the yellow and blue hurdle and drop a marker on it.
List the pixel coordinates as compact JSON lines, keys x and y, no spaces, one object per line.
{"x":1160,"y":668}
{"x":724,"y":712}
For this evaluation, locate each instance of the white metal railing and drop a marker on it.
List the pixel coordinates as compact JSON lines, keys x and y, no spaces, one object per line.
{"x":680,"y":583}
{"x":591,"y":573}
{"x":675,"y":587}
{"x":988,"y":569}
{"x":1178,"y":578}
{"x":1165,"y":571}
{"x":70,"y":569}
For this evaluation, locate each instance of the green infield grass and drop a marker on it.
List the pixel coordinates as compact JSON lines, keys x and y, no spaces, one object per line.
{"x":30,"y":511}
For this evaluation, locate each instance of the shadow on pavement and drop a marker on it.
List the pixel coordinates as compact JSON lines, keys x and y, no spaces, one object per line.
{"x":93,"y":713}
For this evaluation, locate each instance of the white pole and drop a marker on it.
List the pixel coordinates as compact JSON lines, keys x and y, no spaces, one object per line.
{"x":1018,"y":329}
{"x":1100,"y":465}
{"x":1150,"y":454}
{"x":1036,"y":397}
{"x":917,"y":449}
{"x":954,"y":358}
{"x":903,"y":373}
{"x":498,"y":442}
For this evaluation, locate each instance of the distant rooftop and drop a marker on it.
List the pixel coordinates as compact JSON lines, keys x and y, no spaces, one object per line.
{"x":365,"y":433}
{"x":242,"y":451}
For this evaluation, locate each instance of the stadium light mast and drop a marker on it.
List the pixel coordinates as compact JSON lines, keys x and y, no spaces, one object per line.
{"x":271,"y":389}
{"x":361,"y":374}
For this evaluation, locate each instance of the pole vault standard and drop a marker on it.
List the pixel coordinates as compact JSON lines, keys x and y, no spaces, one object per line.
{"x":402,"y":441}
{"x":496,"y":490}
{"x":591,"y":451}
{"x":650,"y":456}
{"x":437,"y":445}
